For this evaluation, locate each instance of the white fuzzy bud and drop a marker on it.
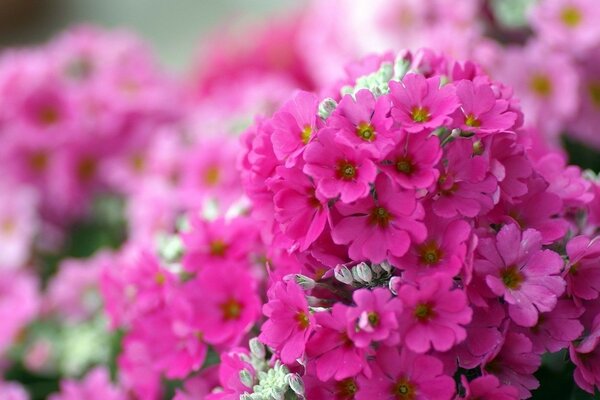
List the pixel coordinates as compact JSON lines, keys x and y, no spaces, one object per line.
{"x":343,"y":274}
{"x":257,"y":348}
{"x":363,"y":272}
{"x":326,"y":107}
{"x":296,"y":384}
{"x":246,"y":378}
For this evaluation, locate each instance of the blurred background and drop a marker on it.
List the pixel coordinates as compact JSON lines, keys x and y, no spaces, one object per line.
{"x":172,"y":28}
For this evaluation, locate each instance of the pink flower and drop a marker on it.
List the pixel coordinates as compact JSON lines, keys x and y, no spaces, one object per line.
{"x":583,"y":277}
{"x":338,"y":168}
{"x":420,"y":103}
{"x":464,"y":187}
{"x":378,"y":229}
{"x":290,"y":322}
{"x":13,"y":391}
{"x":412,"y":162}
{"x":18,"y":224}
{"x":300,"y":212}
{"x":210,"y":242}
{"x":331,"y":350}
{"x":556,"y":329}
{"x":538,"y":209}
{"x":374,"y":318}
{"x":363,"y":121}
{"x":586,"y":357}
{"x":443,"y":251}
{"x":516,"y":268}
{"x":514,"y":363}
{"x":483,"y":335}
{"x":95,"y":385}
{"x":434,"y":314}
{"x":232,"y":363}
{"x":73,"y":291}
{"x":19,"y":304}
{"x":487,"y":387}
{"x":480,"y":111}
{"x":344,"y":389}
{"x":571,"y":25}
{"x":227,"y":303}
{"x":294,"y":125}
{"x":405,"y":375}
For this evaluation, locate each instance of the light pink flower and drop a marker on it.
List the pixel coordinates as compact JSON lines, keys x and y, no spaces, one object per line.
{"x":480,"y":110}
{"x":487,"y":387}
{"x":95,"y":385}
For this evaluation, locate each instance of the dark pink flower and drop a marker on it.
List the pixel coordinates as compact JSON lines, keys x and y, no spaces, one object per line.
{"x":374,"y":317}
{"x":583,"y":276}
{"x":300,"y":212}
{"x":487,"y":387}
{"x":556,"y":329}
{"x":422,"y":103}
{"x":339,"y":169}
{"x":227,"y":303}
{"x":514,"y":363}
{"x":434,"y":314}
{"x":516,"y":268}
{"x":378,"y":229}
{"x":330,"y":349}
{"x":411,"y":163}
{"x":405,"y":375}
{"x":465,"y":186}
{"x":289,"y":323}
{"x":586,"y":357}
{"x":443,"y":251}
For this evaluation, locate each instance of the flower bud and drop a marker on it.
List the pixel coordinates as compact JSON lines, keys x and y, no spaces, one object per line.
{"x":326,"y":107}
{"x":246,"y":378}
{"x":304,"y":281}
{"x":257,"y":348}
{"x":363,"y":272}
{"x":296,"y":384}
{"x":343,"y":274}
{"x":394,"y":284}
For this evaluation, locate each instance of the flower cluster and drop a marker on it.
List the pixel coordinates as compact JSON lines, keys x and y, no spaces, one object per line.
{"x":431,"y":245}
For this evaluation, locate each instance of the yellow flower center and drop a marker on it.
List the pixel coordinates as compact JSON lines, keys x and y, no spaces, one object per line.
{"x":541,"y":85}
{"x":430,"y":253}
{"x":302,"y":319}
{"x":231,"y":309}
{"x":365,"y":131}
{"x":420,"y":114}
{"x":380,"y":216}
{"x":571,"y":16}
{"x":404,"y":165}
{"x":512,"y":277}
{"x":346,"y":171}
{"x":346,"y":389}
{"x":48,"y":115}
{"x":472,"y":121}
{"x":218,"y":248}
{"x":424,"y":312}
{"x":594,"y":92}
{"x":306,"y":133}
{"x":404,"y":390}
{"x":212,"y":175}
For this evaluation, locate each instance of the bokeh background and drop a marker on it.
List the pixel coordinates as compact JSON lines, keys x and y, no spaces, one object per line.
{"x":171,"y":27}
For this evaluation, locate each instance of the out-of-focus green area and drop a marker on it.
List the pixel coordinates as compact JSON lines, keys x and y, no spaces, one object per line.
{"x":172,"y":27}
